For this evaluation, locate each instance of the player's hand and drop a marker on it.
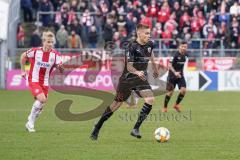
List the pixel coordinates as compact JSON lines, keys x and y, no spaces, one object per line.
{"x":141,"y":75}
{"x":155,"y":74}
{"x":178,"y":75}
{"x":24,"y":74}
{"x":60,"y":68}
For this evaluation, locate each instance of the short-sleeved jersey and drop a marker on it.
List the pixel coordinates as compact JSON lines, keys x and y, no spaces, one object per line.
{"x":139,"y":55}
{"x":42,"y":64}
{"x":178,"y":62}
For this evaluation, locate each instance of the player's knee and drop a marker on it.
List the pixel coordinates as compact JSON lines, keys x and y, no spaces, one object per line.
{"x":150,"y":100}
{"x":115,"y":105}
{"x":43,"y":100}
{"x":183,"y":91}
{"x":170,"y":93}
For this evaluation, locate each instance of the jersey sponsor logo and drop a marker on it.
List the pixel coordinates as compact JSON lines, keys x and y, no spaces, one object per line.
{"x":43,"y":64}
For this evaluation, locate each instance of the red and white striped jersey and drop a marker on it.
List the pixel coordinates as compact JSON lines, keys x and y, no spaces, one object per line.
{"x":42,"y":64}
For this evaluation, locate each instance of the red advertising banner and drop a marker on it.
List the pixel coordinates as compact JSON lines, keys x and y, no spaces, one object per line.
{"x":218,"y":63}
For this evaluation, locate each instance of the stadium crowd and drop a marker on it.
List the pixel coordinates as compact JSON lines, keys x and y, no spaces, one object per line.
{"x":102,"y":21}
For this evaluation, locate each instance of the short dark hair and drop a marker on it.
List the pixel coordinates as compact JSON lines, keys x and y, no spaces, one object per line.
{"x":142,"y":26}
{"x":182,"y":42}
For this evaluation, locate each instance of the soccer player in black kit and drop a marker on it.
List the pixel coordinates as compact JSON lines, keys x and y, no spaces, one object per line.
{"x":176,"y":77}
{"x":134,"y":77}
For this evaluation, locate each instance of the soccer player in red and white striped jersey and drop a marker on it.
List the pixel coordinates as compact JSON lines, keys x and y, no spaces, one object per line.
{"x":42,"y":62}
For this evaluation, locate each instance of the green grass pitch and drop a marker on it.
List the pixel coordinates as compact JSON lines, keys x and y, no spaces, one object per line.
{"x":208,"y":129}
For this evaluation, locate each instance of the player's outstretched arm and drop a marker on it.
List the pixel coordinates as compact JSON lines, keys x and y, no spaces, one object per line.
{"x":133,"y":70}
{"x":23,"y":60}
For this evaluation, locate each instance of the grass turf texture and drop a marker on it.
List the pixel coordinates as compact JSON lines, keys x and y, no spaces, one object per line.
{"x":211,"y":132}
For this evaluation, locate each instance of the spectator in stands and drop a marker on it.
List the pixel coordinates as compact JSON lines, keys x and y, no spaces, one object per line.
{"x":229,"y":3}
{"x":157,"y":31}
{"x":75,"y":26}
{"x":98,"y":19}
{"x":166,"y":36}
{"x":36,"y":40}
{"x":87,"y":18}
{"x":190,"y":18}
{"x":133,"y":36}
{"x":152,"y":11}
{"x":235,"y":9}
{"x":235,"y":33}
{"x":92,"y":37}
{"x":201,"y":18}
{"x":223,"y":34}
{"x":177,"y":10}
{"x":137,"y":10}
{"x":74,"y":6}
{"x":64,"y":14}
{"x":188,"y":7}
{"x":131,"y":23}
{"x":56,"y":4}
{"x":186,"y":34}
{"x":164,"y":13}
{"x":123,"y":36}
{"x":116,"y":40}
{"x":26,"y":6}
{"x":223,"y":17}
{"x":171,"y":24}
{"x":195,"y":27}
{"x":94,"y":6}
{"x":83,"y":5}
{"x":35,"y":6}
{"x":108,"y":31}
{"x":121,"y":25}
{"x":212,"y":5}
{"x":74,"y":41}
{"x":213,"y":16}
{"x":46,"y":6}
{"x":87,"y":22}
{"x":210,"y":29}
{"x":184,"y":20}
{"x":20,"y":35}
{"x":146,"y":20}
{"x":210,"y":33}
{"x":104,"y":6}
{"x":62,"y":37}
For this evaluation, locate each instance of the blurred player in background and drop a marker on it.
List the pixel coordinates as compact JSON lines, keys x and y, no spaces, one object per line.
{"x":42,"y":62}
{"x":176,"y":76}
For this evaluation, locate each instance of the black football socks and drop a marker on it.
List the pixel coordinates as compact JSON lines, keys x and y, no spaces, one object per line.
{"x":105,"y":116}
{"x":143,"y":115}
{"x":166,"y":100}
{"x":180,"y":97}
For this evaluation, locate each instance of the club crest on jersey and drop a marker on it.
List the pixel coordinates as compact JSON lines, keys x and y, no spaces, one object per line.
{"x":149,"y":49}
